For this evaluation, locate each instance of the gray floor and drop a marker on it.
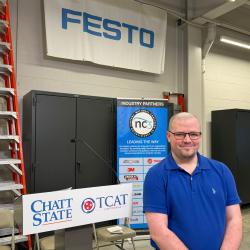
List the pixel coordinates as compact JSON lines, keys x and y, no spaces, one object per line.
{"x":145,"y":245}
{"x":246,"y":229}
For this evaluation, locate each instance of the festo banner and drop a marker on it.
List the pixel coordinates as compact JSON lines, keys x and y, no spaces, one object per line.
{"x":69,"y":208}
{"x":117,"y":33}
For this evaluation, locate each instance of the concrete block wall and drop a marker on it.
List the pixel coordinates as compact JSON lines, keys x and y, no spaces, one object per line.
{"x":226,"y":83}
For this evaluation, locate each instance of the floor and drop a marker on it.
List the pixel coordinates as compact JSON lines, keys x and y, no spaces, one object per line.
{"x":245,"y":245}
{"x":145,"y":244}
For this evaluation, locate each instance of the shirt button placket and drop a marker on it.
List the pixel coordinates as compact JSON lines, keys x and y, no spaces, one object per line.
{"x":192,"y":183}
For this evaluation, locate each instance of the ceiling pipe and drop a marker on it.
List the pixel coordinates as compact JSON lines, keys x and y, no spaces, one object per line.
{"x":209,"y":40}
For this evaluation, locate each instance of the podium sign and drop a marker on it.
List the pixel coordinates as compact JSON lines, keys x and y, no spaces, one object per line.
{"x":69,"y":208}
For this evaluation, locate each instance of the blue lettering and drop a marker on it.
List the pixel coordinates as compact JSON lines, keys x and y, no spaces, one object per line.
{"x":117,"y":200}
{"x":106,"y":201}
{"x":47,"y":206}
{"x":151,"y":38}
{"x":55,"y":206}
{"x":124,"y":198}
{"x":53,"y":216}
{"x":87,"y":24}
{"x":69,"y":202}
{"x":100,"y":199}
{"x":60,"y":214}
{"x":36,"y":209}
{"x":36,"y":220}
{"x":130,"y":31}
{"x":93,"y":25}
{"x":69,"y":213}
{"x":106,"y":25}
{"x":65,"y":18}
{"x":45,"y":216}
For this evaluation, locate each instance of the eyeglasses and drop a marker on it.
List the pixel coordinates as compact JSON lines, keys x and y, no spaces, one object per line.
{"x":182,"y":135}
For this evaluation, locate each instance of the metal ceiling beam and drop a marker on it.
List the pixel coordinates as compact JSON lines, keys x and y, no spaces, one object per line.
{"x":219,"y":11}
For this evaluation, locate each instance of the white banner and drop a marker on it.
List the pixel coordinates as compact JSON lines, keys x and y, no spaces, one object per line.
{"x":69,"y":208}
{"x":117,"y":33}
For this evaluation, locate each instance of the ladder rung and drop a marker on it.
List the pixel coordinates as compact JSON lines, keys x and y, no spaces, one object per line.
{"x":7,"y":231}
{"x":6,"y":206}
{"x":11,"y":186}
{"x":7,"y":115}
{"x":4,"y":47}
{"x":6,"y":91}
{"x":11,"y":165}
{"x":9,"y":138}
{"x":9,"y":161}
{"x":3,"y":26}
{"x":5,"y":69}
{"x":7,"y":240}
{"x":2,"y":5}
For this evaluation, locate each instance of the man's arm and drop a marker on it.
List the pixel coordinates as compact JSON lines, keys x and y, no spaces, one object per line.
{"x":233,"y":233}
{"x":164,"y":238}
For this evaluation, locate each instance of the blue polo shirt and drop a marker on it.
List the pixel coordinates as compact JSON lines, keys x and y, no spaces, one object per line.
{"x":195,"y":204}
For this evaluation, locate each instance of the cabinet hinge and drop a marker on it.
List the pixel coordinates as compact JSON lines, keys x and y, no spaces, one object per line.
{"x":33,"y":167}
{"x":34,"y":101}
{"x":112,"y":109}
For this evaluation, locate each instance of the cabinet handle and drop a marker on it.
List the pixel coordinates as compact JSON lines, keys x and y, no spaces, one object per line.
{"x":78,"y":165}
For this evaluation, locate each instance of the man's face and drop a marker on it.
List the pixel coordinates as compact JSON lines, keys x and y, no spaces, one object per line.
{"x":186,"y":148}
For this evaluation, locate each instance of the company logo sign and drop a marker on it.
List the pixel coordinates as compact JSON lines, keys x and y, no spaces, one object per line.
{"x":137,"y":194}
{"x":131,"y":177}
{"x":151,"y":161}
{"x":142,"y":123}
{"x":50,"y":212}
{"x":107,"y":28}
{"x":104,"y":202}
{"x":130,"y":169}
{"x":129,"y":161}
{"x":88,"y":205}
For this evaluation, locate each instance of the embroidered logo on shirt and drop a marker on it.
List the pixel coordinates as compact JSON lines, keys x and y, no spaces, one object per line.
{"x":214,"y":191}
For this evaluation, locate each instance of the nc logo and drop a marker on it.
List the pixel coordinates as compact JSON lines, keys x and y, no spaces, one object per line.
{"x":142,"y":123}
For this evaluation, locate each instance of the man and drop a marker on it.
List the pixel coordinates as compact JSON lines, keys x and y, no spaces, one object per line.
{"x":191,"y":201}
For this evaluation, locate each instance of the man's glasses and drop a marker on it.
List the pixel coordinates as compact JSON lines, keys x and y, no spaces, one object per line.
{"x":182,"y":135}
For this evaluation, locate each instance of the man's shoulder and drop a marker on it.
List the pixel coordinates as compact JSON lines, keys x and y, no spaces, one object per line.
{"x":213,"y":164}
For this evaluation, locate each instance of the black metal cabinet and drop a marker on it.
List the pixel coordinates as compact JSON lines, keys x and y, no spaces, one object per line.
{"x":230,"y":144}
{"x":96,"y":138}
{"x":68,"y":141}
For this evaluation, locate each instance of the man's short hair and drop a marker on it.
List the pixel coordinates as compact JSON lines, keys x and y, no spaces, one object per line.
{"x":181,"y":115}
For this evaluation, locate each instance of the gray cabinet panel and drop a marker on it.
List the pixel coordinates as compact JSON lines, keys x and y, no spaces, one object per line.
{"x":54,"y":153}
{"x":95,"y":142}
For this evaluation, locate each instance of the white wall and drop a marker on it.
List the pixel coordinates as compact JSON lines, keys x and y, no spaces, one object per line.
{"x":226,"y":78}
{"x":38,"y":72}
{"x":226,"y":83}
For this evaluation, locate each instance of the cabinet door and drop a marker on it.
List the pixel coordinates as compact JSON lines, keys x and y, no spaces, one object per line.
{"x":95,"y":142}
{"x":54,"y":153}
{"x":243,"y":155}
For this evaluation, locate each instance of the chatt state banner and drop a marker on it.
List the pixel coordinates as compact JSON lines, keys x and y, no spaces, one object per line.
{"x":117,"y":33}
{"x":141,"y":143}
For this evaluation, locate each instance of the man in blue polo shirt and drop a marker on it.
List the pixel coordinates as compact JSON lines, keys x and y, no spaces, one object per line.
{"x":190,"y":201}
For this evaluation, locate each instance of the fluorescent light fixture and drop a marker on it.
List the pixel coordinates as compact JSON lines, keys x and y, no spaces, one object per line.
{"x":235,"y":42}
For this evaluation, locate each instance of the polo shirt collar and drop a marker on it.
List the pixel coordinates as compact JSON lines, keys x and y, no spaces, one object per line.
{"x":172,"y":165}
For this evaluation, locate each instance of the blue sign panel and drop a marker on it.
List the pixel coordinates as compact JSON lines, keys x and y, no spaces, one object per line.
{"x":141,"y":143}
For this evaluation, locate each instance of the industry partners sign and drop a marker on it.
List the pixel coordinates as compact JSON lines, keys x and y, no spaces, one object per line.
{"x":141,"y":143}
{"x":117,"y":33}
{"x":69,"y":208}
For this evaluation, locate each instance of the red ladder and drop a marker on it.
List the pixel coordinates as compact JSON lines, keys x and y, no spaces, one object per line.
{"x":12,"y":157}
